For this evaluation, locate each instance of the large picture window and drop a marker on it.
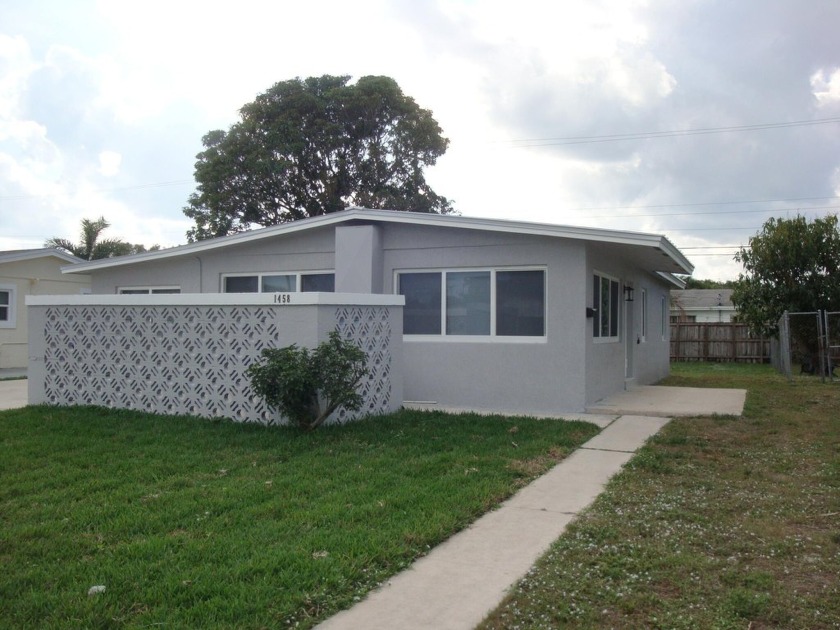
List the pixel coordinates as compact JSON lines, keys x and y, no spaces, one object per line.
{"x":474,"y":303}
{"x":279,"y":283}
{"x":605,"y":293}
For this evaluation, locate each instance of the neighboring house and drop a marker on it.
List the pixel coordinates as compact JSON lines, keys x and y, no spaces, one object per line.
{"x":702,"y":305}
{"x":500,"y":315}
{"x":30,"y":272}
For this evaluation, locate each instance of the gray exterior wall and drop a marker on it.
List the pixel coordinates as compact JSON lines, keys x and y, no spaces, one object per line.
{"x":630,"y":360}
{"x":525,"y":375}
{"x":202,"y":273}
{"x":563,"y":372}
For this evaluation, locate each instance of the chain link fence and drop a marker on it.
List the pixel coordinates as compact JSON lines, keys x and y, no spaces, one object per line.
{"x":808,"y":343}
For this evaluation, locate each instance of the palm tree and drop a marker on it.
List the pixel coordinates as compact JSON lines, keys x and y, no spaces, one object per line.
{"x":91,"y":248}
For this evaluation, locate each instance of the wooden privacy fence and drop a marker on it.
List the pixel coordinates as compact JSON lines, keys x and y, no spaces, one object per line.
{"x":713,"y":341}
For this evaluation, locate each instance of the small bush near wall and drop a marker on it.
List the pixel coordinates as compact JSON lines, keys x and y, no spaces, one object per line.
{"x":306,"y":387}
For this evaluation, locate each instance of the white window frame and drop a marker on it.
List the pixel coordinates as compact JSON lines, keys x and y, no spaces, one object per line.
{"x":157,"y":290}
{"x":596,"y":300}
{"x":492,"y":337}
{"x":11,"y":320}
{"x":643,"y":325}
{"x":261,"y":274}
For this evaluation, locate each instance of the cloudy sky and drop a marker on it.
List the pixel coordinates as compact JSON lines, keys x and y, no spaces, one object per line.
{"x":698,"y":119}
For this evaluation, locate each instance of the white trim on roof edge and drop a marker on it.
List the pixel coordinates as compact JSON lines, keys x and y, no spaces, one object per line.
{"x":43,"y":252}
{"x":641,"y":239}
{"x":675,"y":280}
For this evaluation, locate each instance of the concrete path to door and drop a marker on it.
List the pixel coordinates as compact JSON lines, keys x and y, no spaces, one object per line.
{"x":462,"y":580}
{"x":671,"y":402}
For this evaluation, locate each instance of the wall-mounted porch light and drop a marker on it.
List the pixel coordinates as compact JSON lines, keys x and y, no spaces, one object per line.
{"x":628,"y":293}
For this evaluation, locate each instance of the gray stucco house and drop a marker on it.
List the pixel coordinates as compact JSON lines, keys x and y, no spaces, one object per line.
{"x":499,"y":315}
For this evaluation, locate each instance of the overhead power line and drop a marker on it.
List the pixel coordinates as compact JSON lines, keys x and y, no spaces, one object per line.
{"x":646,"y":135}
{"x":707,"y":203}
{"x":697,"y":214}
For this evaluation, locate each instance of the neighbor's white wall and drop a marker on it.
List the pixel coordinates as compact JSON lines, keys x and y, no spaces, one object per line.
{"x":36,"y":276}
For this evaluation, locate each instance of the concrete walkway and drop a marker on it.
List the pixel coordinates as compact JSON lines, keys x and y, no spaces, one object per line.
{"x":14,"y":394}
{"x":464,"y":579}
{"x":671,"y":402}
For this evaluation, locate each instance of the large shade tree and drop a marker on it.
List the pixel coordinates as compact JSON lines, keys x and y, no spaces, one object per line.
{"x":93,"y":247}
{"x":790,"y":265}
{"x":308,"y":147}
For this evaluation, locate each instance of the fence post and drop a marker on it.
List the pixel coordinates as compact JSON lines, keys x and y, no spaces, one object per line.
{"x":785,"y":346}
{"x":821,"y":346}
{"x":734,"y":336}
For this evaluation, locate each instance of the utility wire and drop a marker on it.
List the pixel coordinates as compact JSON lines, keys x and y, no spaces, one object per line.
{"x":697,"y":214}
{"x":567,"y":140}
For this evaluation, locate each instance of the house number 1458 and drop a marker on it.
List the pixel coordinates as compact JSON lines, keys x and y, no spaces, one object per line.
{"x":282,"y":298}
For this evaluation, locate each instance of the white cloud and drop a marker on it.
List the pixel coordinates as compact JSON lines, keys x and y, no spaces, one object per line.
{"x":826,"y":86}
{"x":109,"y":163}
{"x":102,"y":101}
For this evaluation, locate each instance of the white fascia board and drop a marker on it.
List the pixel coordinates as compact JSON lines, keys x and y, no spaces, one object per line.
{"x":642,"y":239}
{"x":220,"y":299}
{"x":672,"y":279}
{"x":45,"y":252}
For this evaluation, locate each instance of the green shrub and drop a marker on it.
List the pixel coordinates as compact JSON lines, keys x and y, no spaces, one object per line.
{"x":306,"y":387}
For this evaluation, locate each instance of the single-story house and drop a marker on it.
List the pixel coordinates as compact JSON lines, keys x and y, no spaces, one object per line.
{"x":30,"y":272}
{"x":702,"y":305}
{"x":499,"y":315}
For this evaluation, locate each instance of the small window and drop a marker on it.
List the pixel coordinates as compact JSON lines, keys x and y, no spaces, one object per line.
{"x":148,"y":290}
{"x":324,"y":282}
{"x":605,"y":293}
{"x":7,"y":306}
{"x":279,"y":283}
{"x":242,"y":284}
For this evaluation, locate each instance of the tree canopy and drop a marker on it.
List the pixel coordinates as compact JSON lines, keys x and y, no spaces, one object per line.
{"x":91,"y":247}
{"x":308,"y":147}
{"x":791,"y":264}
{"x":700,"y":283}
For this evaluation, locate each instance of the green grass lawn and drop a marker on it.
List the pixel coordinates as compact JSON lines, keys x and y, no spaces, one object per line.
{"x":717,"y":523}
{"x":199,"y":524}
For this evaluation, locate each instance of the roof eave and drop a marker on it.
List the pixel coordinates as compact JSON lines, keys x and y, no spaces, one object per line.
{"x":32,"y":254}
{"x":389,"y":216}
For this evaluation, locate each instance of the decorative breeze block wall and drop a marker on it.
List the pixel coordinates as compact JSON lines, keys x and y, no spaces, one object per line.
{"x":191,"y":359}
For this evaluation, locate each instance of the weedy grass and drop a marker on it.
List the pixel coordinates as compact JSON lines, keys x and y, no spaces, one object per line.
{"x":716,"y":523}
{"x":191,"y":523}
